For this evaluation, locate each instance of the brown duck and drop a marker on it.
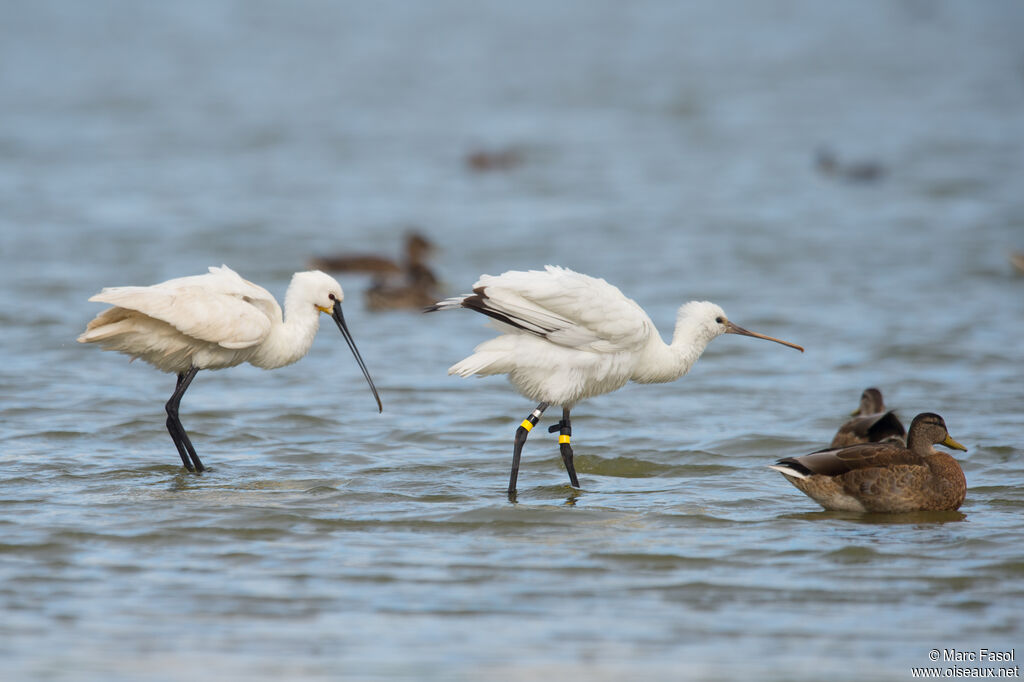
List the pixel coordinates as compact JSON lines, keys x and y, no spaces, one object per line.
{"x":852,"y":171}
{"x":415,"y":292}
{"x":1017,"y":261}
{"x":417,"y":250}
{"x":884,"y":477}
{"x":870,"y":423}
{"x":407,"y":285}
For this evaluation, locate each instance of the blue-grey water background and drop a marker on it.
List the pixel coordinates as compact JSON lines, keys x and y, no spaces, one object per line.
{"x":667,"y":147}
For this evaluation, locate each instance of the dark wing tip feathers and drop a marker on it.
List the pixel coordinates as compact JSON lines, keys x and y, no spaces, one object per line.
{"x":448,"y":304}
{"x":795,"y":465}
{"x":479,"y":301}
{"x":828,"y":462}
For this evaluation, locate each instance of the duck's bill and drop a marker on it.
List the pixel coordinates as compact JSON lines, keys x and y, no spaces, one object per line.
{"x":731,"y":328}
{"x":340,"y":320}
{"x":950,"y":443}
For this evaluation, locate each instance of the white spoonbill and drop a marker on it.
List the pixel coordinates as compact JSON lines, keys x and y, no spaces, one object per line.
{"x":214,"y":321}
{"x":567,"y":336}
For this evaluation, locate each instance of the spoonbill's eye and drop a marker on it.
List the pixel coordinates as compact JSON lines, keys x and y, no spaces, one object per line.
{"x":332,"y":297}
{"x":719,"y":319}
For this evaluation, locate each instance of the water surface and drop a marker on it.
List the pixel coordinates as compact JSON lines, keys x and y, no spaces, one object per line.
{"x":667,"y":147}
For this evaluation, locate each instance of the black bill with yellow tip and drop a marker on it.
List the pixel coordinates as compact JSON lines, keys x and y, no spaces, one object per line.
{"x":340,"y":320}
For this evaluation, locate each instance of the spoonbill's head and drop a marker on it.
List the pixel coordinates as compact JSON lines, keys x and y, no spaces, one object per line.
{"x":326,"y":295}
{"x":317,"y":287}
{"x":712,"y":321}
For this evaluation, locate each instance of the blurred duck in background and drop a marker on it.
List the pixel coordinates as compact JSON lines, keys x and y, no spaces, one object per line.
{"x":870,"y":423}
{"x":416,"y":290}
{"x":405,"y":284}
{"x":417,"y":249}
{"x":487,"y":160}
{"x":828,"y":163}
{"x":1017,"y":261}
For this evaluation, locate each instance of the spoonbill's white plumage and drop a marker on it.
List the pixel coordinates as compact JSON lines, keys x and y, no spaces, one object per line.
{"x":214,"y":321}
{"x":567,"y":336}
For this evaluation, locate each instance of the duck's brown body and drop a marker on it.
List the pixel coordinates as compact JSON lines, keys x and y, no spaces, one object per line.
{"x":417,"y":250}
{"x":884,"y":477}
{"x":408,"y":285}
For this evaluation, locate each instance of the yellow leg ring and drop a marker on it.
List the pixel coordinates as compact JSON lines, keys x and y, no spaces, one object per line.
{"x":527,"y":425}
{"x":564,"y":438}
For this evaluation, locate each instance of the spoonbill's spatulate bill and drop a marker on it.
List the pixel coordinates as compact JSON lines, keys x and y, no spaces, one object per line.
{"x":567,"y":336}
{"x":214,"y":321}
{"x":884,"y":477}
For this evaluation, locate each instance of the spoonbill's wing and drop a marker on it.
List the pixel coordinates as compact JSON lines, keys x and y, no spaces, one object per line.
{"x":564,"y":307}
{"x":219,"y":307}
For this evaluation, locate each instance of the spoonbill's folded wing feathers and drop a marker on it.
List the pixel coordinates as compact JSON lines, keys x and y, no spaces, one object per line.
{"x":565,"y":307}
{"x":219,"y":307}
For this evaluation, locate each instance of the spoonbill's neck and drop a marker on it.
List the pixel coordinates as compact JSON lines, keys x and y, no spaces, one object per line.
{"x":661,"y":362}
{"x":290,"y":337}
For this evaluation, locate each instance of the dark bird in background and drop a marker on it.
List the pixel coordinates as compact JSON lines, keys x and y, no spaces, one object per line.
{"x":416,"y":250}
{"x":486,"y":160}
{"x":1017,"y":261}
{"x":416,"y":290}
{"x":828,"y":164}
{"x":407,"y":283}
{"x":870,"y":423}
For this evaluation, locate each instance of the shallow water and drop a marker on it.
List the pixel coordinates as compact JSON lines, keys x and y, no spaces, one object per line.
{"x":666,"y":147}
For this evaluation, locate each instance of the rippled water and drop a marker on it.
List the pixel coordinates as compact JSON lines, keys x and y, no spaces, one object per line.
{"x":667,"y":147}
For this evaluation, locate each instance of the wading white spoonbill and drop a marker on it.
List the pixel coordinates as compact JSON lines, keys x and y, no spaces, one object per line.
{"x":567,"y":336}
{"x":214,"y":321}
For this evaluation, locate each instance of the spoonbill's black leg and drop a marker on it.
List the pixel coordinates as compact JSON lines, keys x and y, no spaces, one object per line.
{"x":564,"y":429}
{"x":521,"y":433}
{"x":174,"y":427}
